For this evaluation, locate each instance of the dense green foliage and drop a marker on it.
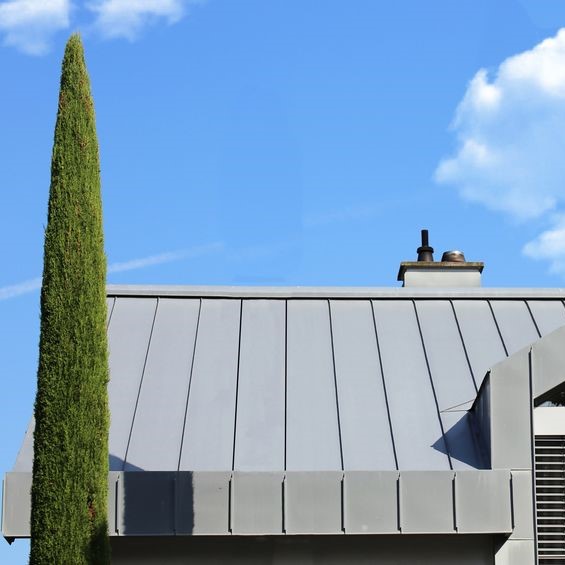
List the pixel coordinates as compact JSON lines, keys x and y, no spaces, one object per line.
{"x":70,"y":469}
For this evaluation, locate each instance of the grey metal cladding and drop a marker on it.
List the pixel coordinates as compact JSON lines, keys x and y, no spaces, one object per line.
{"x":370,"y":502}
{"x":516,"y":552}
{"x":415,"y":421}
{"x":208,"y":432}
{"x":483,"y":501}
{"x":510,"y":413}
{"x":548,"y":314}
{"x":312,"y":438}
{"x":16,"y":505}
{"x":146,"y":503}
{"x":157,"y":428}
{"x":522,"y":505}
{"x":445,"y":352}
{"x":24,"y":459}
{"x":515,"y":322}
{"x":365,"y":428}
{"x":257,"y":503}
{"x":260,"y":425}
{"x":203,"y":503}
{"x":548,"y":364}
{"x":480,"y":336}
{"x":128,"y":335}
{"x":313,"y":502}
{"x":463,"y":445}
{"x":426,"y":502}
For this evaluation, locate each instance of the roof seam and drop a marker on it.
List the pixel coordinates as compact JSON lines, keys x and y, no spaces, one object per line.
{"x":335,"y":384}
{"x":497,"y":327}
{"x":189,"y":383}
{"x":237,"y":384}
{"x":384,"y":386}
{"x":464,"y":346}
{"x":141,"y":383}
{"x":533,"y":319}
{"x":432,"y":385}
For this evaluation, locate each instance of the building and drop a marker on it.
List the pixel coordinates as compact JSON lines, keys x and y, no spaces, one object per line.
{"x":333,"y":425}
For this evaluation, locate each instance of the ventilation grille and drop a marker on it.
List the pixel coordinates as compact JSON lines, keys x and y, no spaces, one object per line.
{"x":550,"y":498}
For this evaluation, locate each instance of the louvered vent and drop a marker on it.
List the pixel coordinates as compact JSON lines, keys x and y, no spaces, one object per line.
{"x":550,"y":498}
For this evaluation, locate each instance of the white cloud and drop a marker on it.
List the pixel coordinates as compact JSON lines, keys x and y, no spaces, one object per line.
{"x":29,"y":25}
{"x":510,"y":127}
{"x":550,"y":245}
{"x":511,"y":133}
{"x":31,"y":285}
{"x":126,"y":18}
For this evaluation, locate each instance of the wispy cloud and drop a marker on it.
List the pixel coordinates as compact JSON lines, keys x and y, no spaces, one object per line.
{"x":24,"y":287}
{"x":126,"y":18}
{"x":510,"y":127}
{"x":168,"y":257}
{"x":29,"y":25}
{"x":31,"y":285}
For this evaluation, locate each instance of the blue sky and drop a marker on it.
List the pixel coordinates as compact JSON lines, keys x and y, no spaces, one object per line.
{"x":285,"y":142}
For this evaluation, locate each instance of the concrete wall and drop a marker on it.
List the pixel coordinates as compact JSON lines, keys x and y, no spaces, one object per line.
{"x":305,"y":550}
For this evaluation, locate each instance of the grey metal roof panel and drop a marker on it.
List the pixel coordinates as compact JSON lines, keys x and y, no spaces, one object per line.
{"x":209,"y":425}
{"x":364,"y":418}
{"x":480,"y":336}
{"x":548,"y":314}
{"x":517,"y":327}
{"x":418,"y":440}
{"x":444,"y":351}
{"x":260,"y":420}
{"x":129,"y":333}
{"x":157,"y":427}
{"x":312,"y":429}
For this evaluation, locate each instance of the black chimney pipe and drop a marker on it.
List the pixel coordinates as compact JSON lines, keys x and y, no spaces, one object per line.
{"x":425,"y":252}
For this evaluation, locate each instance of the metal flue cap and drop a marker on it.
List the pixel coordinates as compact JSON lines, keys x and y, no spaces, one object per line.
{"x":425,"y":252}
{"x":454,"y":256}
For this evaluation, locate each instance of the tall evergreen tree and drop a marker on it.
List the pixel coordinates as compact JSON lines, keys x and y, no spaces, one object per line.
{"x":70,"y":468}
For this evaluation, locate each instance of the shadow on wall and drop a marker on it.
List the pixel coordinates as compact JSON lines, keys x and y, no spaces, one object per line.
{"x":151,"y":503}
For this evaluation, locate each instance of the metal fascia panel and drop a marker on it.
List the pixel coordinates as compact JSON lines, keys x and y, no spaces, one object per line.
{"x":483,"y":502}
{"x":16,"y":505}
{"x":370,"y":502}
{"x":257,"y":503}
{"x":427,"y":502}
{"x":313,"y":502}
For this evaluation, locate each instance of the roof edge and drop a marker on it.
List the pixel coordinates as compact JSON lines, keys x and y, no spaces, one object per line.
{"x":343,"y":292}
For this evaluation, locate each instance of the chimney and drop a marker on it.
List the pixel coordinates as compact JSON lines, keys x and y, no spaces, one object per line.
{"x":453,"y":271}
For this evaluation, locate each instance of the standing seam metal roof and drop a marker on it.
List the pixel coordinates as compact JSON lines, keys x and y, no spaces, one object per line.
{"x":206,"y":379}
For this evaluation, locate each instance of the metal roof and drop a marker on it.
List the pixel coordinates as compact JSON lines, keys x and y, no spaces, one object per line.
{"x":239,"y":379}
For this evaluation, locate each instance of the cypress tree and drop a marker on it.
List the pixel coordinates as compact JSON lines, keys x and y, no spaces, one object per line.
{"x":70,"y":468}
